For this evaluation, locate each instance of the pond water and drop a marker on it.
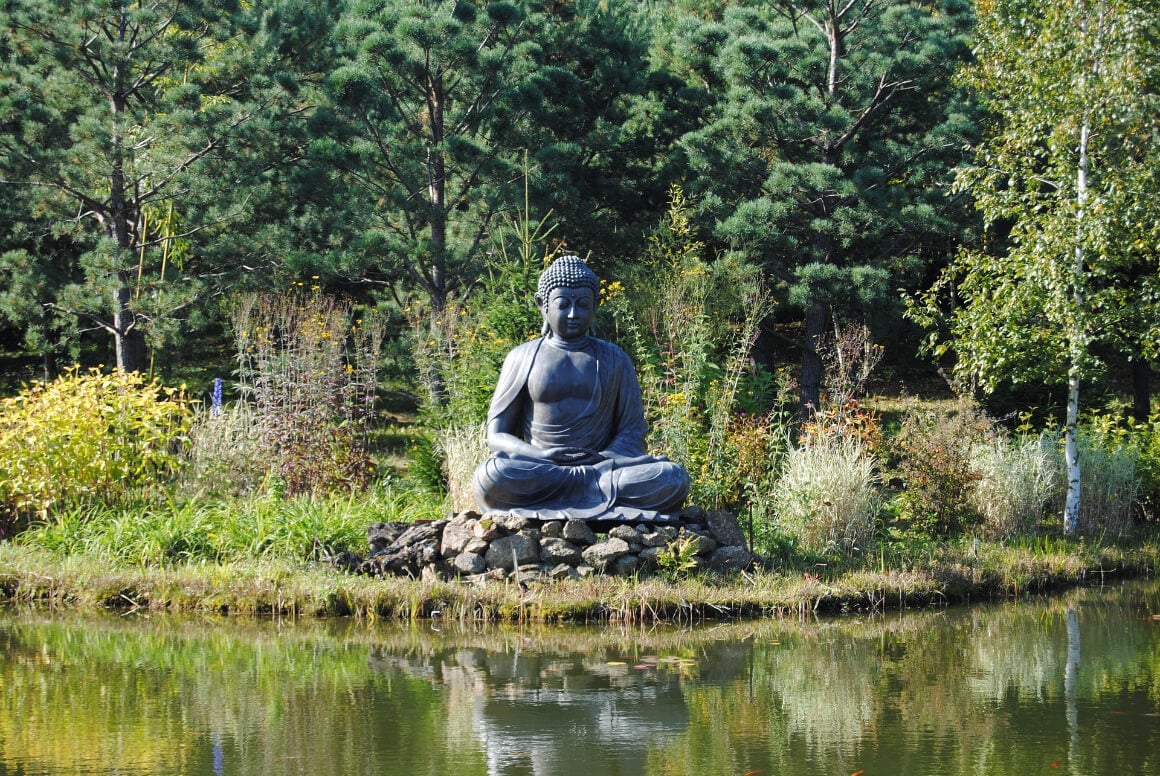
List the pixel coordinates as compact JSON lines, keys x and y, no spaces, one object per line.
{"x":1069,"y":685}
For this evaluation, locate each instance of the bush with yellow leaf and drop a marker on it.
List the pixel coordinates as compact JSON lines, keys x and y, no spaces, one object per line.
{"x":86,"y":435}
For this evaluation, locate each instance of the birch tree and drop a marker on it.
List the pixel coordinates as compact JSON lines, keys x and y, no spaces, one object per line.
{"x":1066,"y":181}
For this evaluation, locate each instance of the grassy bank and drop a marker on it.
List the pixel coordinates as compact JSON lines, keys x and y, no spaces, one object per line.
{"x":901,"y":577}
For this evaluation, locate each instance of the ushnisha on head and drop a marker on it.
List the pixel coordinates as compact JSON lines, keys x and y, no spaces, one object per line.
{"x":567,"y":295}
{"x":566,"y":272}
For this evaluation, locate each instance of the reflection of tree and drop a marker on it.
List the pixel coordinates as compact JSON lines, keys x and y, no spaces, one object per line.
{"x":976,"y":691}
{"x":973,"y":691}
{"x":152,"y":696}
{"x":560,"y":712}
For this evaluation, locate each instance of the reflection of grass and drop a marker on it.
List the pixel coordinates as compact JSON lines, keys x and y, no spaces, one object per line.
{"x":920,"y":576}
{"x":827,"y":684}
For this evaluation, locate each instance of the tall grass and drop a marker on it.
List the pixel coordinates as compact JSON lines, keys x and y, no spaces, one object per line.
{"x":1016,"y":481}
{"x":826,"y":498}
{"x":224,"y":455}
{"x":1109,"y":485}
{"x":463,"y":448}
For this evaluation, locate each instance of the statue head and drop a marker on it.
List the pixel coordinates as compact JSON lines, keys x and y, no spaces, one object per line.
{"x":567,"y":295}
{"x":566,"y":272}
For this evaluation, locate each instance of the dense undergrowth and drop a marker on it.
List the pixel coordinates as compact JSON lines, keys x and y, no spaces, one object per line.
{"x":119,"y":491}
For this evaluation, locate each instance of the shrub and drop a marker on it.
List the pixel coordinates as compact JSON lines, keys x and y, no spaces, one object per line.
{"x":310,"y":368}
{"x":86,"y":436}
{"x":1016,"y":481}
{"x":934,"y":452}
{"x":826,"y":498}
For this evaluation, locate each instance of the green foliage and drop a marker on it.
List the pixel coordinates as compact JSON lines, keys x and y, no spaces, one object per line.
{"x":830,"y":132}
{"x":826,"y":498}
{"x":309,"y":366}
{"x":427,"y":101}
{"x":124,"y":130}
{"x":679,"y":558}
{"x":933,"y":453}
{"x":299,"y":528}
{"x":425,"y":464}
{"x":87,"y":436}
{"x":1065,"y":182}
{"x":461,"y":349}
{"x":689,"y":325}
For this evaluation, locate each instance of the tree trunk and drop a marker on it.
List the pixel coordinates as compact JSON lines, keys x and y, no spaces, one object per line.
{"x":1071,"y":455}
{"x":48,"y":365}
{"x":127,"y":338}
{"x":811,"y":379}
{"x":1076,"y":341}
{"x":1141,"y":390}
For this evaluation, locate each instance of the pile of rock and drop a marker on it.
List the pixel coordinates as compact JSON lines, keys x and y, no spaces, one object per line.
{"x":477,"y":549}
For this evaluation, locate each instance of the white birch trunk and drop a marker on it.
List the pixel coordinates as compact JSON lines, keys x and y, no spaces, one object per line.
{"x":1071,"y":455}
{"x":1076,"y":346}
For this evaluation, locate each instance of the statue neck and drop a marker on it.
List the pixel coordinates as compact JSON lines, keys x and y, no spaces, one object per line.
{"x":584,"y":343}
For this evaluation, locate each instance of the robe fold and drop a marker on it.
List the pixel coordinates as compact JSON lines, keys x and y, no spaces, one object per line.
{"x":613,"y":421}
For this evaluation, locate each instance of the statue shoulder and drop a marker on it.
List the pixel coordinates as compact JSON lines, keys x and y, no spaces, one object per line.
{"x":521,"y":354}
{"x":513,"y":376}
{"x":612,"y":352}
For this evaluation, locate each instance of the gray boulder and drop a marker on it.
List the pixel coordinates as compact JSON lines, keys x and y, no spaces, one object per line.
{"x":555,"y":551}
{"x":603,"y":554}
{"x":469,"y":563}
{"x":579,"y":533}
{"x":510,"y":552}
{"x":456,"y":537}
{"x":731,"y":558}
{"x":725,"y":529}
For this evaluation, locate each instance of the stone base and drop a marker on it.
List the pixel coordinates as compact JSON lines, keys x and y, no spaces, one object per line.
{"x":478,"y":548}
{"x":601,"y":523}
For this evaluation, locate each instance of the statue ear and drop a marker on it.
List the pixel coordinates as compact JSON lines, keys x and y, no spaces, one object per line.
{"x":545,"y":329}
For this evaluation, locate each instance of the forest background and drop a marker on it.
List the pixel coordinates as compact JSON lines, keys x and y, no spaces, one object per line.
{"x":324,"y":222}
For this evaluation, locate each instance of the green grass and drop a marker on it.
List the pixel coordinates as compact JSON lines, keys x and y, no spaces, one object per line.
{"x":917,"y":574}
{"x":151,"y":532}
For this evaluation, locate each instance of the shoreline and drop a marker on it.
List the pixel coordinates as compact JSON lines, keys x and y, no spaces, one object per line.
{"x":952,"y":573}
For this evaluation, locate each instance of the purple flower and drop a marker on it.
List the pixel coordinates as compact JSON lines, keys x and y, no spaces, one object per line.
{"x":216,"y":406}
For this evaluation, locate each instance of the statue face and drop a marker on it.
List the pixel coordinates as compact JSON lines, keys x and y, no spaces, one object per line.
{"x":569,"y":312}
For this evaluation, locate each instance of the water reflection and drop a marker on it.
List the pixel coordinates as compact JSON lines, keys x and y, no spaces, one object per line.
{"x":1070,"y":685}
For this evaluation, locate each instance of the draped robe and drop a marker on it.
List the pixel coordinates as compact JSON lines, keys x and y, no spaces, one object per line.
{"x":612,"y":422}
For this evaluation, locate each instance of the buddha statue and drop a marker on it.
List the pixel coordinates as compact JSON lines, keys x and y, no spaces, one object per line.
{"x":566,"y":427}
